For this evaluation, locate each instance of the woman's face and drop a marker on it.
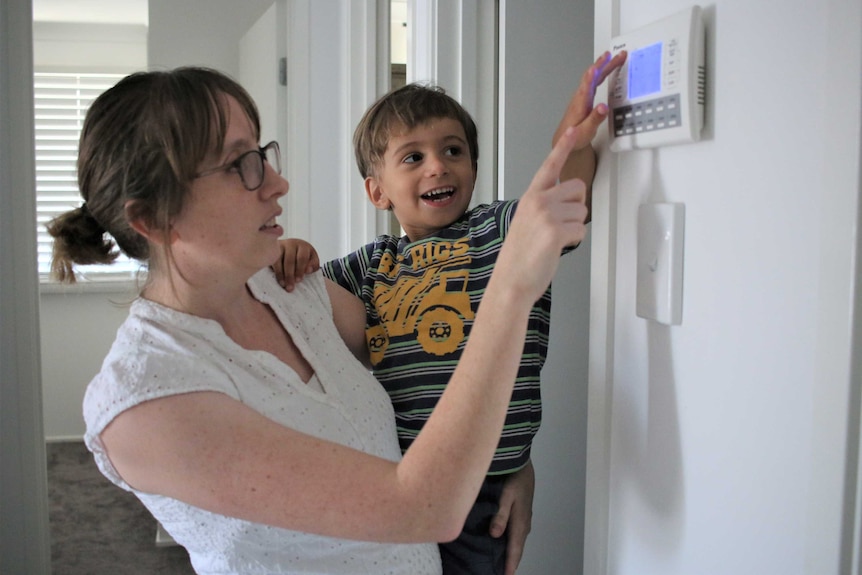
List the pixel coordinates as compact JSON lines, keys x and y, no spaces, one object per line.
{"x":223,"y":228}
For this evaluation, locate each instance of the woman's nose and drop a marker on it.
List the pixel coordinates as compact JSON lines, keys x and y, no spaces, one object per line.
{"x":273,"y":182}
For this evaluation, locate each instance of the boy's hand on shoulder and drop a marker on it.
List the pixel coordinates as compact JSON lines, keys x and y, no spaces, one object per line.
{"x":298,"y":258}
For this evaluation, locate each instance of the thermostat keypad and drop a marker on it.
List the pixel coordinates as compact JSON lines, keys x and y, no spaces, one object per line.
{"x":657,"y":114}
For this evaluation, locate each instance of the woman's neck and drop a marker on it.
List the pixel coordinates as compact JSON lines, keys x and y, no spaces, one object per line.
{"x":214,"y":298}
{"x":251,"y":324}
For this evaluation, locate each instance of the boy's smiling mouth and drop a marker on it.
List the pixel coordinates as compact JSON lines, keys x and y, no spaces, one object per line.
{"x":438,"y":195}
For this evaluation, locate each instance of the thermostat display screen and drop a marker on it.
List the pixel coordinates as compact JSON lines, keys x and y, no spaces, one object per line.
{"x":645,"y":71}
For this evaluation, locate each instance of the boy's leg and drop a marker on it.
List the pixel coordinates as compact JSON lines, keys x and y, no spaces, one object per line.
{"x":475,"y":552}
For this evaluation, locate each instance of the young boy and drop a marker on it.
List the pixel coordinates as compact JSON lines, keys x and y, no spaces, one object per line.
{"x":417,"y":149}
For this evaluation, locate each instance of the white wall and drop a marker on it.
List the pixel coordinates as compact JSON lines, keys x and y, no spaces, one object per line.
{"x":78,"y":324}
{"x":724,"y":438}
{"x":77,"y":327}
{"x":24,"y":536}
{"x":200,"y":33}
{"x":102,"y":47}
{"x":544,"y":48}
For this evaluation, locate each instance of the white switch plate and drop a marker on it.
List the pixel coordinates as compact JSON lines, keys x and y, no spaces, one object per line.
{"x":661,"y":228}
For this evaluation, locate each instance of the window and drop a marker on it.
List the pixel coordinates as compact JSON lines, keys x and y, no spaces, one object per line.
{"x":61,"y":102}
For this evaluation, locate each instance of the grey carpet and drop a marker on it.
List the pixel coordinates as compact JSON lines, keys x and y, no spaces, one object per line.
{"x":96,"y":527}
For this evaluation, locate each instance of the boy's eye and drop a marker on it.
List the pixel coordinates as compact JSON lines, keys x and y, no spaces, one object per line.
{"x":412,"y":158}
{"x":454,"y":151}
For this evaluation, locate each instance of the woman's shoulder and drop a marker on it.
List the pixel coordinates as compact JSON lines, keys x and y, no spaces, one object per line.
{"x":157,"y":352}
{"x":266,"y":288}
{"x":303,"y":308}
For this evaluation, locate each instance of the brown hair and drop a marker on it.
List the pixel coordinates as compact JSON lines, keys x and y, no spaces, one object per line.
{"x":141,"y":144}
{"x":408,"y":106}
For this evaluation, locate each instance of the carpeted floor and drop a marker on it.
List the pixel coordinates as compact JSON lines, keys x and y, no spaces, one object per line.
{"x":96,"y":527}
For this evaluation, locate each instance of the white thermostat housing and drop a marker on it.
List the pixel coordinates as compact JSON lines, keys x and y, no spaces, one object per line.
{"x":657,"y":97}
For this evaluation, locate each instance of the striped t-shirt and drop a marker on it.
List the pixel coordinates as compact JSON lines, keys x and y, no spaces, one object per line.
{"x":420,"y":300}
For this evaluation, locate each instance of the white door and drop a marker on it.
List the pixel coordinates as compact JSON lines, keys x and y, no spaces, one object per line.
{"x":538,"y":73}
{"x":262,"y":71}
{"x":452,"y":43}
{"x":332,"y":60}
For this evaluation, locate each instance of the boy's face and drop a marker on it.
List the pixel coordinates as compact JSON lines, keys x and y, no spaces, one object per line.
{"x":426,"y":177}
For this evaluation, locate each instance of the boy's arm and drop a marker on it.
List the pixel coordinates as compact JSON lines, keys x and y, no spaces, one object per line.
{"x":344,"y":277}
{"x":581,"y":113}
{"x":348,"y":313}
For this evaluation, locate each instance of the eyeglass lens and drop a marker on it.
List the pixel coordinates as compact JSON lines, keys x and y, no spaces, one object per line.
{"x":252,"y":169}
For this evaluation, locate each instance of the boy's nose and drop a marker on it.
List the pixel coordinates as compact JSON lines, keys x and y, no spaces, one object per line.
{"x":436,"y":165}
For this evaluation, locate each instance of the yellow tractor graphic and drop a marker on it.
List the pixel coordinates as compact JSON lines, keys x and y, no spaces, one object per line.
{"x":433,"y":307}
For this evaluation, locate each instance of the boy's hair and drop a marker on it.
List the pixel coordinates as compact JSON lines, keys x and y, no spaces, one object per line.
{"x":408,"y":106}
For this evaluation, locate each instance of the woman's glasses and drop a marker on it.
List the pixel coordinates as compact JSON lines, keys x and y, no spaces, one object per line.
{"x":250,"y":165}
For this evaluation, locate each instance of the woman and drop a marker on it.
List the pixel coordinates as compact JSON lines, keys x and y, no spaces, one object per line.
{"x":232,"y":408}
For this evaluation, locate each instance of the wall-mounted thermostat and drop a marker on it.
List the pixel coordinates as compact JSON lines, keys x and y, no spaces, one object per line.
{"x":657,"y":97}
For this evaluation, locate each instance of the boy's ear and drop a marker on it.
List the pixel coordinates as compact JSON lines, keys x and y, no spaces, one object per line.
{"x":376,"y":194}
{"x":142,"y":224}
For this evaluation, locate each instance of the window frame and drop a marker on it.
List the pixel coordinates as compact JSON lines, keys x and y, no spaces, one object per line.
{"x":61,"y":99}
{"x":86,"y":48}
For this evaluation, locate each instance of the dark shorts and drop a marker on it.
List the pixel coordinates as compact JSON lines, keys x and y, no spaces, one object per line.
{"x":475,"y":552}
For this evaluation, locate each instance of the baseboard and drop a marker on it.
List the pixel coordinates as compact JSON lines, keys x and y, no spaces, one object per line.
{"x":65,"y":439}
{"x":163,"y":538}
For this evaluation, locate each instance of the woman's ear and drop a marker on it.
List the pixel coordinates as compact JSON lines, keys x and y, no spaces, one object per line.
{"x":376,"y":194}
{"x":141,"y":221}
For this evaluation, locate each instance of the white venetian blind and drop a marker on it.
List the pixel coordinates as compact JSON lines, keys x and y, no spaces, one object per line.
{"x":61,"y":102}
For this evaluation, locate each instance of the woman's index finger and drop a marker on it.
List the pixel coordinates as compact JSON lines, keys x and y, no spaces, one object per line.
{"x":549,"y":173}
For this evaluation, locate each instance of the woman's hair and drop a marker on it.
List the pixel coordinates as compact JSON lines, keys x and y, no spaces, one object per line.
{"x":409,"y":106}
{"x":141,"y":145}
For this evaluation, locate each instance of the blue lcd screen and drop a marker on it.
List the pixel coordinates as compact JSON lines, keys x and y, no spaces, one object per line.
{"x":645,"y":71}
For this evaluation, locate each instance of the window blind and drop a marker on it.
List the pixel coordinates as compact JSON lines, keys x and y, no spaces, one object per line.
{"x":61,"y":101}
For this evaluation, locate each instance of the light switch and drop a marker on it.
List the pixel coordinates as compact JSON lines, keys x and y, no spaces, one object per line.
{"x":661,"y":228}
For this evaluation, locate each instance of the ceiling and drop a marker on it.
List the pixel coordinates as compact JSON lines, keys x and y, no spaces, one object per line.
{"x":118,"y":11}
{"x":114,"y":11}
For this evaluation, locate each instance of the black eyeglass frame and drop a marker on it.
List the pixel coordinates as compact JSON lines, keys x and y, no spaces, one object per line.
{"x":262,"y":154}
